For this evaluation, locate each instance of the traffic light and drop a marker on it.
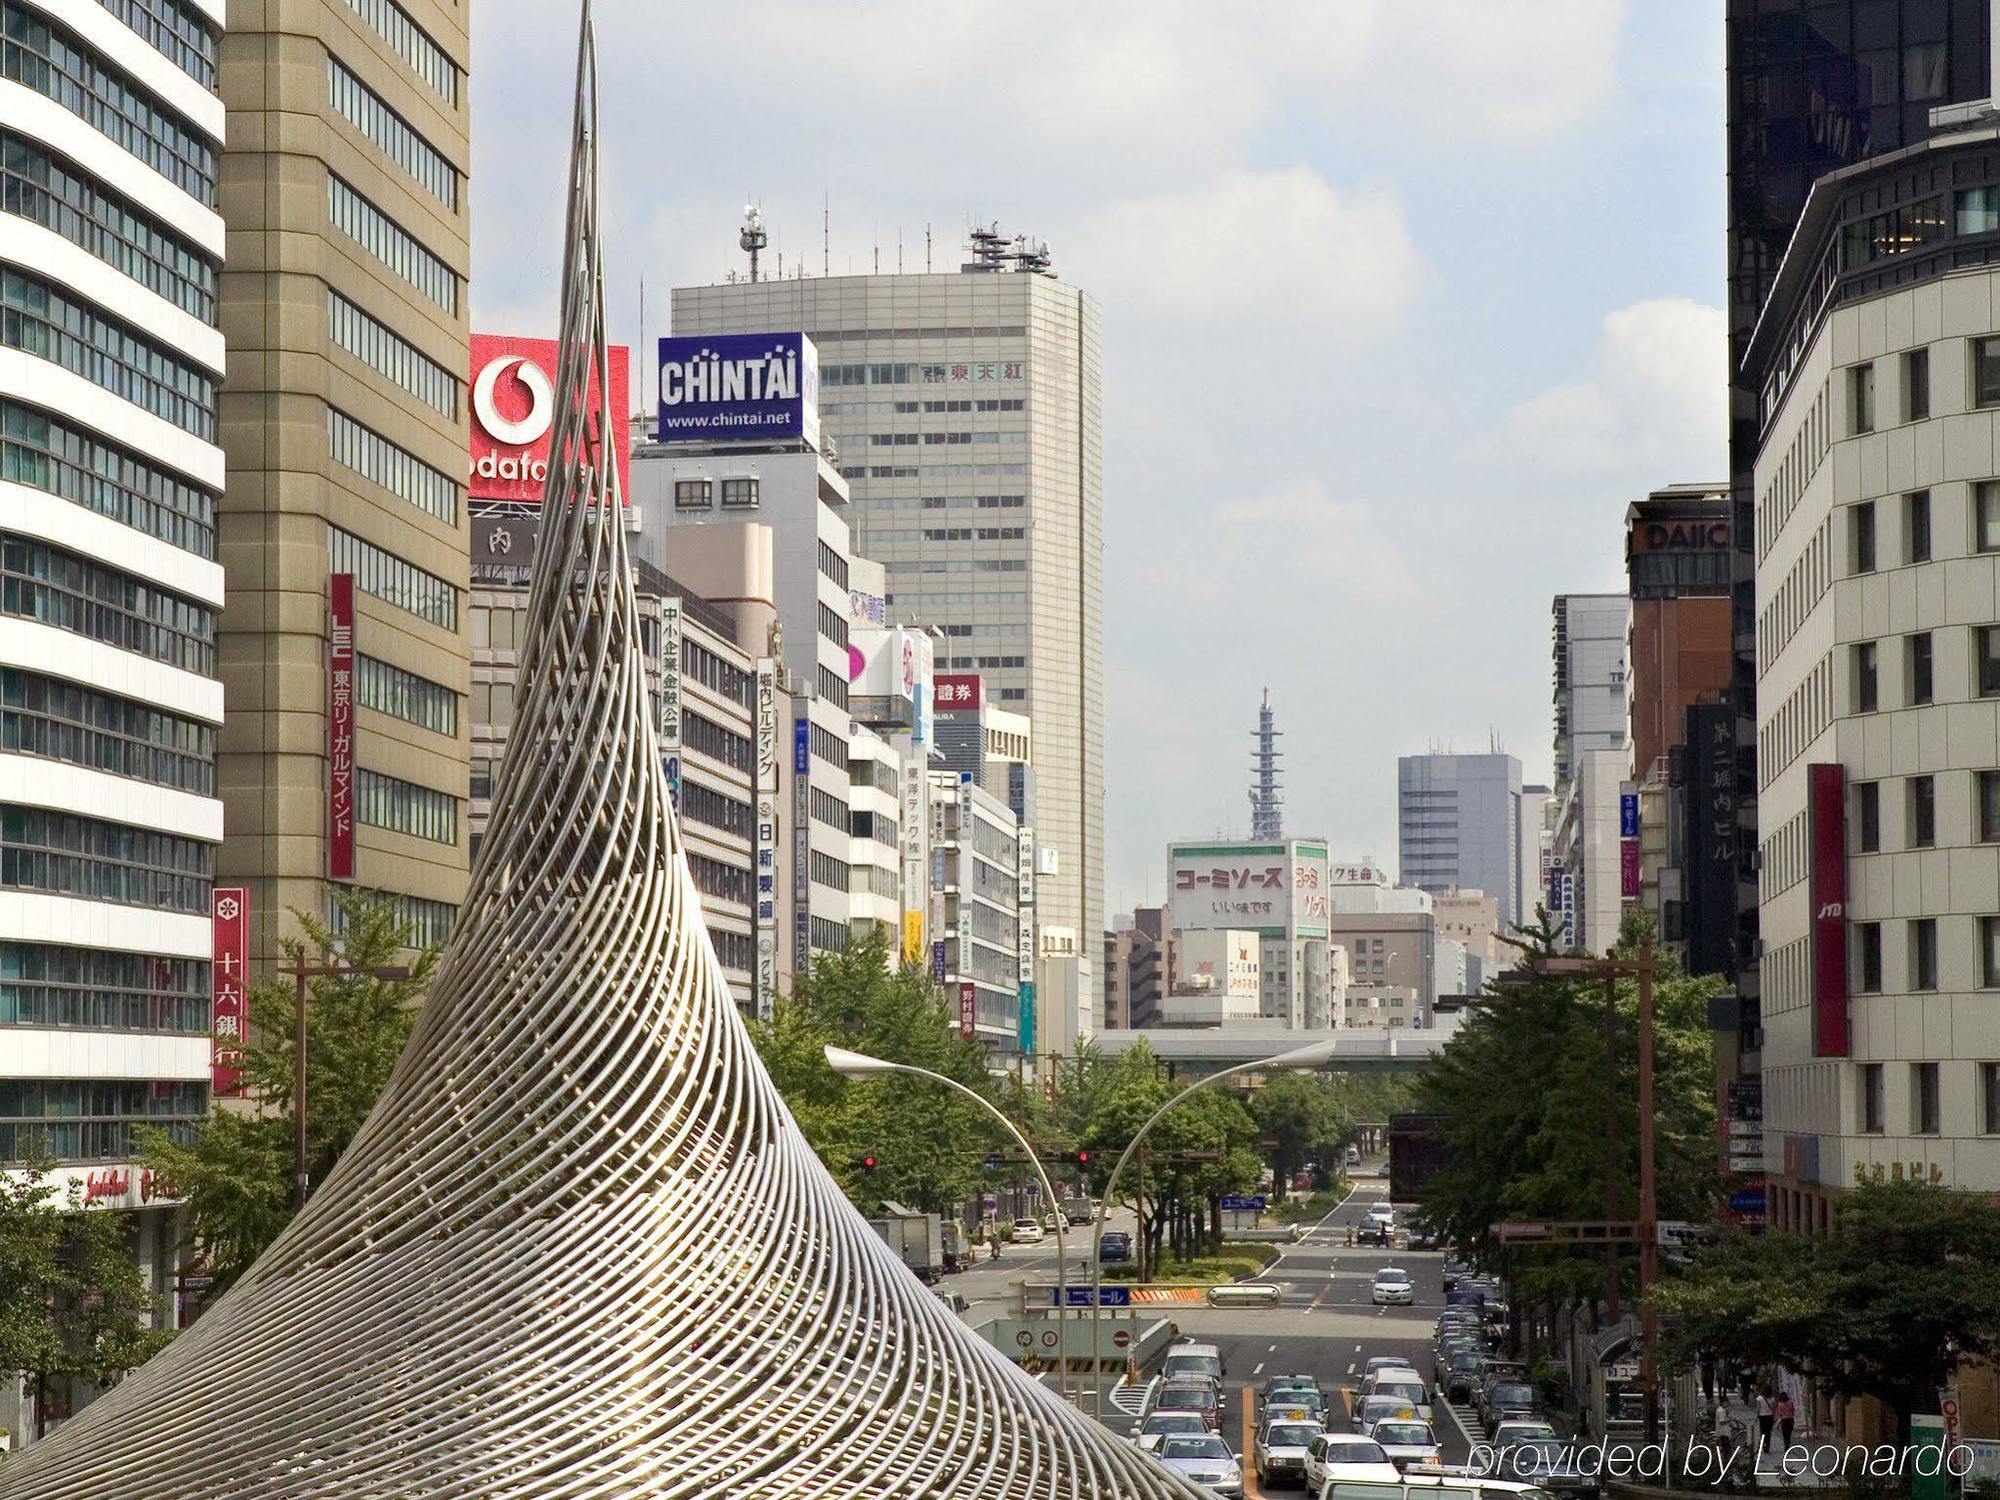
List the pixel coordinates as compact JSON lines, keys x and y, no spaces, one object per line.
{"x":1083,"y":1159}
{"x":867,"y":1163}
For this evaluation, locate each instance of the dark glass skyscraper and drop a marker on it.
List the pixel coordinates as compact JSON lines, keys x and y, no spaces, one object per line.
{"x":1813,"y":85}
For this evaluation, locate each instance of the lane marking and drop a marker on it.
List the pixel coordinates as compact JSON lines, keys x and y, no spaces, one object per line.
{"x":1252,"y":1490}
{"x":1259,"y":1370}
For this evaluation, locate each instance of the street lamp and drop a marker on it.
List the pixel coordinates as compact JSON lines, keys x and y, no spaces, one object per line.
{"x":1309,"y":1056}
{"x":303,"y":972}
{"x":859,"y":1065}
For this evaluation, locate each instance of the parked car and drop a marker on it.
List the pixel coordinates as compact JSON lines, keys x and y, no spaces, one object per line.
{"x":1461,"y":1375}
{"x":1393,"y":1287}
{"x":953,"y":1300}
{"x":1279,"y":1452}
{"x":1197,"y":1396}
{"x":1548,"y":1462}
{"x":1114,"y":1247}
{"x":1204,"y":1461}
{"x":1455,"y":1271}
{"x":1027,"y":1232}
{"x":1422,"y":1236}
{"x":1407,"y":1442}
{"x":1520,"y":1430}
{"x":1353,"y":1458}
{"x":1164,"y":1424}
{"x":1504,"y":1399}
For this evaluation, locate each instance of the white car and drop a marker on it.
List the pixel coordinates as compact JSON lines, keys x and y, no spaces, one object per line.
{"x":1394,"y":1288}
{"x":1027,"y":1232}
{"x":1509,"y":1433}
{"x":1165,"y":1424}
{"x":1355,"y":1460}
{"x":1203,"y":1461}
{"x":1407,"y":1442}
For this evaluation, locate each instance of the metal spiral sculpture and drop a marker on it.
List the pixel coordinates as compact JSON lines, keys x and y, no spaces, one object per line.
{"x":580,"y":1249}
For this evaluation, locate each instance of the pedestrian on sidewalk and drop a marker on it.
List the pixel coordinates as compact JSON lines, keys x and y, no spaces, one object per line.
{"x":1787,"y":1415}
{"x":1767,"y":1415}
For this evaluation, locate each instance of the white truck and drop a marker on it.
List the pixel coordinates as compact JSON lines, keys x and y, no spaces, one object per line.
{"x":917,"y":1239}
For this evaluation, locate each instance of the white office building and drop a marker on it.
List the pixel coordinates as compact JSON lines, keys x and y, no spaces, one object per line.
{"x":110,"y":703}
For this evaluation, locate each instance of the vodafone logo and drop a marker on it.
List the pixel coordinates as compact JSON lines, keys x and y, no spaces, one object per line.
{"x":523,"y":431}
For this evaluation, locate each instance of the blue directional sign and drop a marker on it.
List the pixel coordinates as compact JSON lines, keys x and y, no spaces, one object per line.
{"x":1079,"y":1296}
{"x":1243,"y":1205}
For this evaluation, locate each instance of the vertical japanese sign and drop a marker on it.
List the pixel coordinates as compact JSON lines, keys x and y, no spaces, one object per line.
{"x":766,"y":909}
{"x":1628,"y":844}
{"x":229,"y":954}
{"x":968,"y":1009}
{"x":1027,"y":1021}
{"x":912,"y":830}
{"x":801,"y":836}
{"x":1826,"y":832}
{"x":670,"y":698}
{"x":340,"y":727}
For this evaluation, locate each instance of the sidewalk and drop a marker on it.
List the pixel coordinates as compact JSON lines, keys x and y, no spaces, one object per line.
{"x":1809,"y":1451}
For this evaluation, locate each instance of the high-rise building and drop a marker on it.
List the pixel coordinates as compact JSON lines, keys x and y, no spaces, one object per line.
{"x":1459,"y":824}
{"x":1278,"y":891}
{"x":109,"y":592}
{"x":344,"y":421}
{"x":1812,"y":86}
{"x":1591,"y":632}
{"x":966,"y":408}
{"x":1141,"y":959}
{"x":1593,"y":766}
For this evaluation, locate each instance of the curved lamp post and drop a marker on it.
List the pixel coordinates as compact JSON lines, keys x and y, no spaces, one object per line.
{"x":1307,"y":1056}
{"x":861,"y":1066}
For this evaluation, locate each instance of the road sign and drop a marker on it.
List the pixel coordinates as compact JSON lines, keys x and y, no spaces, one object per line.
{"x":1240,"y":1204}
{"x":1121,"y":1338}
{"x":1079,"y":1296}
{"x":1025,"y":1339}
{"x":1674,"y":1231}
{"x":1049,"y":1339}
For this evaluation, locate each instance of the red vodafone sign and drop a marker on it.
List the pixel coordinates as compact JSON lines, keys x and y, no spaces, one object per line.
{"x":513,"y":410}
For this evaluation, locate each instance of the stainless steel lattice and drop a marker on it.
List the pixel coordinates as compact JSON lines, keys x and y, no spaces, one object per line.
{"x":580,"y":1249}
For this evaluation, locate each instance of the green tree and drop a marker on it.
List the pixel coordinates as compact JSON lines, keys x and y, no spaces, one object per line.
{"x":236,"y":1175}
{"x":1905,"y":1287}
{"x":1520,"y":1101}
{"x":1301,"y":1114}
{"x":73,"y":1306}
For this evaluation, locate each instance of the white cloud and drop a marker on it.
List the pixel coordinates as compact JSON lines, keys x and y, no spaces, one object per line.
{"x":1207,"y":254}
{"x":1655,"y":399}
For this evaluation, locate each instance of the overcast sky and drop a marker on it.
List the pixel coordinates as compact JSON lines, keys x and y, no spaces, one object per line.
{"x":1403,"y":304}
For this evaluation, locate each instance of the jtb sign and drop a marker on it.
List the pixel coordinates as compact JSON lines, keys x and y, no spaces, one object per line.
{"x":730,"y":387}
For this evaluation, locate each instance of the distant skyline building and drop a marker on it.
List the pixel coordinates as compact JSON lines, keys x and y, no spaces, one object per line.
{"x":1267,"y":802}
{"x":1589,"y":660}
{"x":1459,"y":823}
{"x":966,"y":407}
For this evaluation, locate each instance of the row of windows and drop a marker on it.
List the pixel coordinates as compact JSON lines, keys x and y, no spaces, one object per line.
{"x":1794,"y":472}
{"x":1920,"y":812}
{"x":1805,"y":584}
{"x":497,"y":627}
{"x":973,"y":565}
{"x":404,"y":807}
{"x":699,"y":494}
{"x":971,"y":534}
{"x":833,"y":565}
{"x":949,"y":502}
{"x":49,"y":454}
{"x":723,"y":678}
{"x":713,"y":809}
{"x":42,"y":984}
{"x":829,"y":809}
{"x":827,"y":935}
{"x":53,"y":61}
{"x":1800,"y":719}
{"x":402,"y":474}
{"x":412,"y":43}
{"x":706,"y":737}
{"x":936,"y":471}
{"x":725,"y":882}
{"x":880,"y":827}
{"x":74,"y":856}
{"x":833,"y":688}
{"x":1920,"y":952}
{"x":1924,"y":1098}
{"x":388,"y":577}
{"x":425,"y":924}
{"x":733,"y":950}
{"x":913,"y":372}
{"x":1919,"y":669}
{"x":390,"y":243}
{"x":833,"y":625}
{"x":824,"y":869}
{"x":178,"y":31}
{"x":405,"y":695}
{"x":999,"y":927}
{"x":40,"y":582}
{"x":355,"y":102}
{"x":878,"y":880}
{"x":828,"y":746}
{"x":65,"y":721}
{"x":940,"y":439}
{"x":51,"y":191}
{"x":42,"y":321}
{"x":87,"y":1120}
{"x":910,"y":408}
{"x":394,"y":358}
{"x":989,"y":663}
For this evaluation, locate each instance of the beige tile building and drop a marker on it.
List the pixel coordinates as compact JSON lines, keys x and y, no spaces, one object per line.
{"x":966,"y":407}
{"x":343,"y":421}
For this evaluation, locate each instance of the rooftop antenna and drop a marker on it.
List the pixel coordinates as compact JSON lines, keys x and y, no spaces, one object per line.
{"x":1267,"y":816}
{"x":927,"y":247}
{"x":825,"y":235}
{"x":753,"y":238}
{"x":642,"y":343}
{"x":899,"y":250}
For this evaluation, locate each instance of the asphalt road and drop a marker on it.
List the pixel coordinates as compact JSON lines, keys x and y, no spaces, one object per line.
{"x":1326,"y":1326}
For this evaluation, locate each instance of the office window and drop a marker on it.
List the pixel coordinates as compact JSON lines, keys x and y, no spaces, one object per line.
{"x":1917,"y":527}
{"x":1919,"y":682}
{"x":1986,"y":372}
{"x":1923,"y":811}
{"x":1871,"y":1098}
{"x":1861,"y":532}
{"x":1989,"y":953}
{"x":1923,"y":953}
{"x":1989,"y":1098}
{"x":41,"y":319}
{"x":1986,"y":515}
{"x":1868,"y":939}
{"x":1867,"y":817}
{"x":692,"y":494}
{"x":365,"y":111}
{"x":402,"y":474}
{"x":45,"y":452}
{"x":391,"y":244}
{"x":1924,"y":1098}
{"x":1986,"y":796}
{"x":394,"y":358}
{"x":1861,"y":398}
{"x":389,"y":577}
{"x":429,"y":61}
{"x":1986,"y":660}
{"x":1916,"y":385}
{"x":1863,"y":657}
{"x":1978,"y":210}
{"x":739,"y":494}
{"x":404,"y":807}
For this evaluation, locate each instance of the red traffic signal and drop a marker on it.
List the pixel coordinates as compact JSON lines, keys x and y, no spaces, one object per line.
{"x":1083,"y":1158}
{"x":868,"y":1163}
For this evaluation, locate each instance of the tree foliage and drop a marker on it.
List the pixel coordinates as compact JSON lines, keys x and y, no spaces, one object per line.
{"x":236,"y":1176}
{"x":1520,"y":1099}
{"x":73,"y":1305}
{"x":1905,"y":1286}
{"x":1302,"y":1115}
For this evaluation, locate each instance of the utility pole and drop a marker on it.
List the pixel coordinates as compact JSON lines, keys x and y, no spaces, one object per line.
{"x":1649,"y":1207}
{"x":1612,"y":1301}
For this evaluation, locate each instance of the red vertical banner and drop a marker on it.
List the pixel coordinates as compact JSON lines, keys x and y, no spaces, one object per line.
{"x":1826,"y":832}
{"x":968,"y":1009}
{"x":229,"y":954}
{"x":340,"y":727}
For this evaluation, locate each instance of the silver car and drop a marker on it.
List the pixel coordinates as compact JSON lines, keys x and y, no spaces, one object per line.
{"x":1280,"y":1451}
{"x":1205,"y":1461}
